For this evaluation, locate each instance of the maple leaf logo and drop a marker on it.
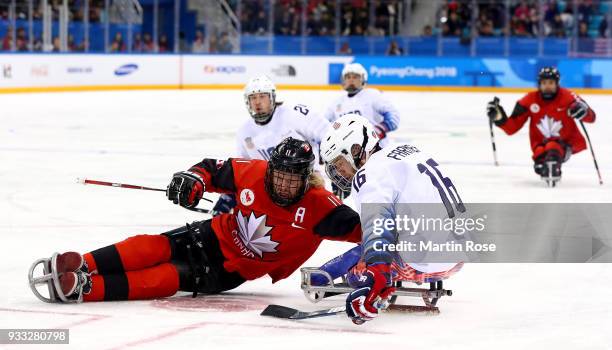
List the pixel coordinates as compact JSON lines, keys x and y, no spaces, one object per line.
{"x":253,"y":232}
{"x":549,"y":127}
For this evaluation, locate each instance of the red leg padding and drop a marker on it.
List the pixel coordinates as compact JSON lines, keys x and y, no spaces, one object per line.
{"x":97,"y":289}
{"x":154,"y":282}
{"x":91,"y":263}
{"x":143,"y":251}
{"x":550,"y":146}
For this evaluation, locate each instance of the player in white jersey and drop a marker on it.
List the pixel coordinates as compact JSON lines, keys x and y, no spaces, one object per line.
{"x":387,"y":178}
{"x":271,"y":122}
{"x":366,"y":102}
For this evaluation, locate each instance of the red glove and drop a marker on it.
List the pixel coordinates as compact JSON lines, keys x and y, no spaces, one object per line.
{"x":381,"y":130}
{"x":371,"y":295}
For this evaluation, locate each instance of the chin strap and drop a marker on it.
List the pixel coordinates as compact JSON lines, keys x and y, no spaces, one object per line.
{"x":357,"y":159}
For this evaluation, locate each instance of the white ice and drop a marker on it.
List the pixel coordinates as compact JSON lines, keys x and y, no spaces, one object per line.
{"x":143,"y":137}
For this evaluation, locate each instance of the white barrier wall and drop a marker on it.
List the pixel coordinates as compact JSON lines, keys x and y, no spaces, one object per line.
{"x":287,"y":70}
{"x":72,"y":70}
{"x":76,"y":70}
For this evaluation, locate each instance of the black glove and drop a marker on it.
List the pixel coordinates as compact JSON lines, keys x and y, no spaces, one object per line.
{"x":496,"y":113}
{"x":578,"y":110}
{"x":225,"y":204}
{"x":186,"y":189}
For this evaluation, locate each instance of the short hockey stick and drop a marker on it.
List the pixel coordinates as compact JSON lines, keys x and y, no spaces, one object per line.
{"x":279,"y":311}
{"x":592,"y":152}
{"x":135,"y":187}
{"x":496,"y":101}
{"x":288,"y":313}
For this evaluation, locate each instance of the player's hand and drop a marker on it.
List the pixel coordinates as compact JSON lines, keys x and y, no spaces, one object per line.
{"x":225,"y":204}
{"x":495,"y":112}
{"x":185,"y":189}
{"x":578,"y":110}
{"x":371,"y":295}
{"x":381,"y":130}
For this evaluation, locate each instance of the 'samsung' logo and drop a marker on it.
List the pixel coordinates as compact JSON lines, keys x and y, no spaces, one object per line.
{"x":126,"y":69}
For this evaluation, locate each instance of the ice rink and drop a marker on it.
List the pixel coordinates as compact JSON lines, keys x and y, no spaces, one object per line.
{"x":143,"y":137}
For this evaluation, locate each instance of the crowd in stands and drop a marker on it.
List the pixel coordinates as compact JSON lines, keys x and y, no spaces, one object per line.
{"x":454,"y":18}
{"x":357,"y":17}
{"x":556,"y":18}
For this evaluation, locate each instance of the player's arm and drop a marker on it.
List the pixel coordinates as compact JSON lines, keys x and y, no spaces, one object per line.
{"x":515,"y":121}
{"x":377,"y":204}
{"x":391,"y":117}
{"x":341,"y":223}
{"x":329,"y":114}
{"x":374,"y":287}
{"x":210,"y":175}
{"x":580,"y":110}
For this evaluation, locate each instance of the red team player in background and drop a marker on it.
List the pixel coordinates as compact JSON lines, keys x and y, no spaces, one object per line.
{"x":552,"y":112}
{"x":282,"y":215}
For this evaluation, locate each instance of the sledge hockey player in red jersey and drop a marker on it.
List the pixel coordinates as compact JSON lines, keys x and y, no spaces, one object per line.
{"x":282,"y":215}
{"x":552,"y":112}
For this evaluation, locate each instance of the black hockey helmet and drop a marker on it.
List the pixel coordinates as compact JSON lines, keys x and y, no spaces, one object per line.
{"x":551,"y":73}
{"x":288,"y":170}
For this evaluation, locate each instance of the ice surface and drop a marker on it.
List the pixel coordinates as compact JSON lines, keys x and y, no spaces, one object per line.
{"x":143,"y":137}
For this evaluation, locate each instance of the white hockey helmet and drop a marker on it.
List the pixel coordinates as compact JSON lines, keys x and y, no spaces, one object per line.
{"x":256,"y":85}
{"x":351,"y":137}
{"x":355,"y":68}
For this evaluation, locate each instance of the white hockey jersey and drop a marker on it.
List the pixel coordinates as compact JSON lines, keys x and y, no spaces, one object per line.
{"x":298,"y":121}
{"x":368,"y":103}
{"x":398,"y":177}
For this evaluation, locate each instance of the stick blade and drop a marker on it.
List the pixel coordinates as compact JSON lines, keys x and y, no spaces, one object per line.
{"x":279,"y":311}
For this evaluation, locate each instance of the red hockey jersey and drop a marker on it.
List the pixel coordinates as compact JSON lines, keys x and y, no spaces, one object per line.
{"x":548,"y":119}
{"x":261,"y":237}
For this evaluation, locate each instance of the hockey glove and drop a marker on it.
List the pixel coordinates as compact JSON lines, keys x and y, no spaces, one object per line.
{"x":224,"y":205}
{"x":186,"y":189}
{"x":381,"y":130}
{"x":496,"y":113}
{"x":578,"y":110}
{"x":372,"y":294}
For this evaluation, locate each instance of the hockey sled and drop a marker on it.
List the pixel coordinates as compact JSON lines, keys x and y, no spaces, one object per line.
{"x":430,"y":296}
{"x":50,"y":278}
{"x":551,"y":181}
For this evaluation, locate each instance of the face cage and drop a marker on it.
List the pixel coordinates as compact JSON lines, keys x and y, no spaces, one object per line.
{"x":278,"y":173}
{"x":342,"y":182}
{"x":261,"y":118}
{"x":356,"y":89}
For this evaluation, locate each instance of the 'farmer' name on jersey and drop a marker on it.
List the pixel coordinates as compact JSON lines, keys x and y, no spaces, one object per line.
{"x":402,"y":151}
